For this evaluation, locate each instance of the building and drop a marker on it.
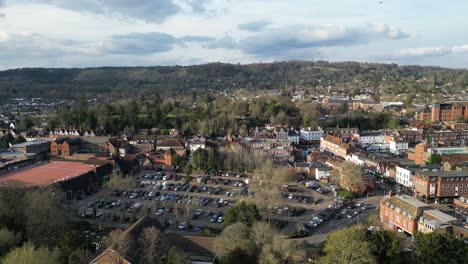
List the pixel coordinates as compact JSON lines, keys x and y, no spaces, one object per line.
{"x":311,"y":135}
{"x":401,"y":212}
{"x":435,"y":220}
{"x":440,"y":185}
{"x":69,"y":147}
{"x":370,"y":137}
{"x":423,"y":114}
{"x":72,"y":177}
{"x":279,"y":150}
{"x":461,"y":206}
{"x":404,"y":175}
{"x":398,"y":146}
{"x":451,"y":111}
{"x":410,"y":135}
{"x":323,"y":173}
{"x":293,"y":136}
{"x":367,"y":105}
{"x":334,"y":145}
{"x":195,"y":143}
{"x":35,"y":147}
{"x":422,"y":152}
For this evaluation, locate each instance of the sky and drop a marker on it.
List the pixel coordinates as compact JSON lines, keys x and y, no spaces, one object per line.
{"x":91,"y":33}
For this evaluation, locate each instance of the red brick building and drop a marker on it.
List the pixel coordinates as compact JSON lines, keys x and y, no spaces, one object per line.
{"x":401,"y":212}
{"x":437,"y":186}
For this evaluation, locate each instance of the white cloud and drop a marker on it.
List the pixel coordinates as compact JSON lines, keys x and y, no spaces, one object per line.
{"x":422,"y":52}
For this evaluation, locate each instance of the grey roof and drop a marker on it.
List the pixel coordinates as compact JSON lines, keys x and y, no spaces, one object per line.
{"x":443,"y":217}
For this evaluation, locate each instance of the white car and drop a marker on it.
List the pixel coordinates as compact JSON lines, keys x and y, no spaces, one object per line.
{"x":220,"y":219}
{"x":160,"y":211}
{"x":138,"y":205}
{"x":291,"y":196}
{"x":182,"y":226}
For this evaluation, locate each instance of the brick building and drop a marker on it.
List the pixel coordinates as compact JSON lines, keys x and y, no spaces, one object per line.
{"x":32,"y":147}
{"x":437,"y":186}
{"x":335,"y":145}
{"x":401,"y":212}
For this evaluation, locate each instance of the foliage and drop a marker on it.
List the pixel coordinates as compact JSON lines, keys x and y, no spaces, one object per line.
{"x":434,"y":248}
{"x":347,"y":195}
{"x":246,"y":213}
{"x":179,"y":161}
{"x":7,"y":139}
{"x":175,"y":256}
{"x":435,"y":159}
{"x":385,"y":246}
{"x":348,"y":175}
{"x":121,"y":182}
{"x":347,"y":246}
{"x":200,"y":159}
{"x":8,"y":240}
{"x":261,"y":243}
{"x":31,"y":255}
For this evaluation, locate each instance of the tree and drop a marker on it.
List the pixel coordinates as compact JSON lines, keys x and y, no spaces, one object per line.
{"x":235,"y":240}
{"x":152,"y":245}
{"x":213,"y":159}
{"x":348,"y":175}
{"x":200,"y":159}
{"x":267,"y":187}
{"x":46,"y":219}
{"x":347,"y":246}
{"x":121,"y":182}
{"x":175,"y":256}
{"x":179,"y":161}
{"x":385,"y":247}
{"x":19,"y":139}
{"x":281,"y":251}
{"x":31,"y":255}
{"x":8,"y":240}
{"x":246,"y":213}
{"x":26,"y":123}
{"x":434,"y":159}
{"x":393,"y":122}
{"x":7,"y":139}
{"x":435,"y":248}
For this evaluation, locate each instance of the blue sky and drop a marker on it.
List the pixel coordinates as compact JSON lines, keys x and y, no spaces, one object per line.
{"x":88,"y":33}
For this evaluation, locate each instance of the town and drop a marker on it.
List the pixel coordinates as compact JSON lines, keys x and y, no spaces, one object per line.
{"x":410,"y":177}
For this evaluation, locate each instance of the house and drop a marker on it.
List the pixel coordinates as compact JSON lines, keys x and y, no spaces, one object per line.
{"x":35,"y":147}
{"x":435,"y":220}
{"x":398,"y":146}
{"x":323,"y":173}
{"x":335,"y":145}
{"x":281,"y":133}
{"x":461,"y":206}
{"x":293,"y":136}
{"x":166,"y":143}
{"x":311,"y":135}
{"x":195,"y":143}
{"x":401,"y":212}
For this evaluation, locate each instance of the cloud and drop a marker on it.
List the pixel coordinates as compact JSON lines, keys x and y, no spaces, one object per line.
{"x":424,"y":52}
{"x":254,"y":26}
{"x":139,"y":43}
{"x":281,"y":41}
{"x":156,"y":11}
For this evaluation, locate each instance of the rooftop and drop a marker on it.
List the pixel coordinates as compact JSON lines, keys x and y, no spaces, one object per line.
{"x":439,"y":215}
{"x":31,"y":143}
{"x":46,"y":173}
{"x":406,"y":203}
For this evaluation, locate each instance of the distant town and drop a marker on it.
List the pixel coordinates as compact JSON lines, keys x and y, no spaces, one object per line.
{"x":190,"y":189}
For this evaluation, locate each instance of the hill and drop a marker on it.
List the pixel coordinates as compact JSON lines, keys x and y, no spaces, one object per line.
{"x":384,"y":78}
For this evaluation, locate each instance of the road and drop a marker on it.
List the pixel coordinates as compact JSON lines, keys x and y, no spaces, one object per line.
{"x":335,"y":224}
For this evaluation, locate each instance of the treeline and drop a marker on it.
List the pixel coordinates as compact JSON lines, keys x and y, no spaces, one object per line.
{"x":212,"y":77}
{"x":35,"y":228}
{"x":208,"y":115}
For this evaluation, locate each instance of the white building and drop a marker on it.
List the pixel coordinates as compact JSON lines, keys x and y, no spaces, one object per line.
{"x":398,"y":147}
{"x":309,"y":134}
{"x":293,"y":136}
{"x":404,"y":176}
{"x":322,"y":173}
{"x":195,"y":143}
{"x":371,"y":137}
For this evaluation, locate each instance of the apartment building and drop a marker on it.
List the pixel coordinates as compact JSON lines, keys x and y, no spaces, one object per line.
{"x":432,"y":220}
{"x":32,"y":147}
{"x":441,"y":185}
{"x":334,"y":145}
{"x":401,"y":212}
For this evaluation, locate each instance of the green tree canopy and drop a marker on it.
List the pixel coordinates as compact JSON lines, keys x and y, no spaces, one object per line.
{"x":246,"y":213}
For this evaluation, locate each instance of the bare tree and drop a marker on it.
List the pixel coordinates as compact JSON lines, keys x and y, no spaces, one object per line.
{"x":267,"y":187}
{"x":152,"y":245}
{"x":348,"y":175}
